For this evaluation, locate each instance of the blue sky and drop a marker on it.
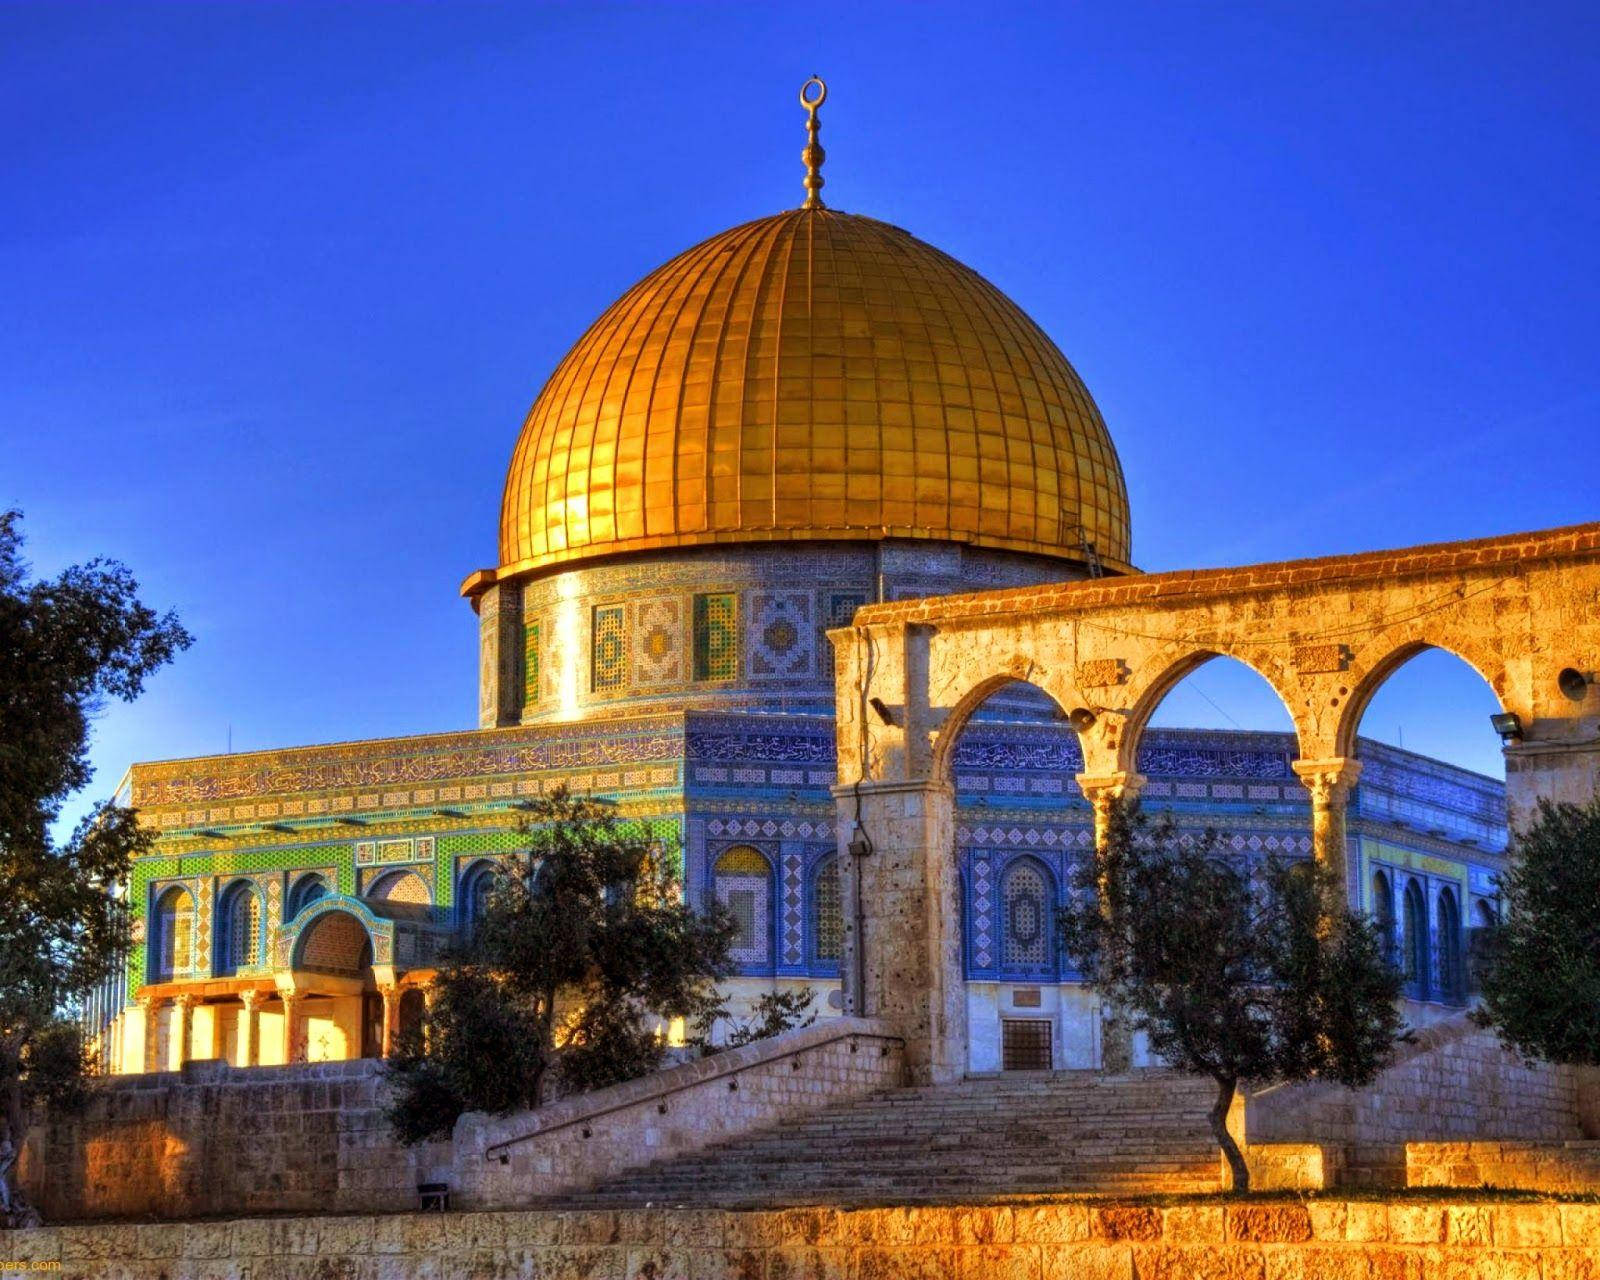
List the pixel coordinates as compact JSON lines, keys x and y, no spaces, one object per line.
{"x":278,"y":283}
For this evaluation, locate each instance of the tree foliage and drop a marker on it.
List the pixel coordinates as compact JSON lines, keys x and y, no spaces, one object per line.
{"x":1539,"y":969}
{"x":771,"y":1014}
{"x":67,"y":645}
{"x":585,"y":944}
{"x":1243,"y":979}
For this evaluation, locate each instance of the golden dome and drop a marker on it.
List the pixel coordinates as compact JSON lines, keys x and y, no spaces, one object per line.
{"x":812,"y":375}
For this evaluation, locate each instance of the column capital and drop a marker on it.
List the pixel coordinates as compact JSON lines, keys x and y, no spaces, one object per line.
{"x":1329,"y":780}
{"x":184,"y":1001}
{"x":251,"y":998}
{"x":147,"y":1002}
{"x":1102,"y":788}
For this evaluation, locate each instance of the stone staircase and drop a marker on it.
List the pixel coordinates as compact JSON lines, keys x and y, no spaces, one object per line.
{"x":987,"y":1137}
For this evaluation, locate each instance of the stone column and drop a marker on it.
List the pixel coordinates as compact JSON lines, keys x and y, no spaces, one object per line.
{"x":150,"y":1008}
{"x":1329,"y":782}
{"x":184,"y":1006}
{"x":1105,"y":792}
{"x":391,"y":1016}
{"x":291,"y":1026}
{"x":249,"y":1026}
{"x":902,"y":903}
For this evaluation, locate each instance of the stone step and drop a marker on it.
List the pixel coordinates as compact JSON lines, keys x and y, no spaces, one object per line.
{"x":987,"y":1136}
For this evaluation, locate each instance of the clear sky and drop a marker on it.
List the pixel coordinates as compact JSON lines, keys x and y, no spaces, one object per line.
{"x":278,"y":283}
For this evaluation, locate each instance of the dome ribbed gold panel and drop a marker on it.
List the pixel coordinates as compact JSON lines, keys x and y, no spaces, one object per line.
{"x":812,"y":375}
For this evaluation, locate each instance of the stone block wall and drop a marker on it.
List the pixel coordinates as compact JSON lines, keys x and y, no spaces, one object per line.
{"x":1565,"y":1167}
{"x":1455,"y":1083}
{"x":218,"y":1140}
{"x":503,"y":1161}
{"x":213,"y":1139}
{"x":1104,"y":1241}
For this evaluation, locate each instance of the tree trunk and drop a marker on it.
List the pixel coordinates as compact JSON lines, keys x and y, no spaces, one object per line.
{"x":1219,"y":1130}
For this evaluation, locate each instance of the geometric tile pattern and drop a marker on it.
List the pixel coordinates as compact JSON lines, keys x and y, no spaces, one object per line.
{"x":658,"y":641}
{"x":780,"y":637}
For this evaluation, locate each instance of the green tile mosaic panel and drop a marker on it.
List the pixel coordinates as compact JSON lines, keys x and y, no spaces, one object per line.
{"x":530,"y":664}
{"x":716,"y":636}
{"x":610,"y":667}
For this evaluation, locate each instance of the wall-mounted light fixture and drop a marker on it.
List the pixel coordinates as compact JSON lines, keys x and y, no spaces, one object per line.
{"x":1081,"y":719}
{"x":1508,"y":724}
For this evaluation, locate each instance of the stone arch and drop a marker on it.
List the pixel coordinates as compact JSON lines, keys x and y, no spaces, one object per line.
{"x":1366,"y":687}
{"x":1019,"y":671}
{"x":1169,"y":670}
{"x":334,"y":941}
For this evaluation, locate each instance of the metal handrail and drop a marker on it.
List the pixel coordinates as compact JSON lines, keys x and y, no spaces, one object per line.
{"x":497,"y":1150}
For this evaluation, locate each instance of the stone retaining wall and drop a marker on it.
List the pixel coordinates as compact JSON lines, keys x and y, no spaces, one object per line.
{"x":1527,"y":1166}
{"x":219,"y":1139}
{"x":1416,"y":1240}
{"x":1455,"y":1083}
{"x":215,"y":1139}
{"x":503,"y":1161}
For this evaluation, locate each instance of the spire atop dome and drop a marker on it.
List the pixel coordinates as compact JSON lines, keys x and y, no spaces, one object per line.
{"x":813,"y":155}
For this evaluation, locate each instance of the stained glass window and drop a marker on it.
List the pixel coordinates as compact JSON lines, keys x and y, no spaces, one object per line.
{"x":610,"y":648}
{"x":743,"y":884}
{"x":716,"y":637}
{"x":827,"y":911}
{"x":1025,"y":939}
{"x":240,"y":920}
{"x":174,"y":949}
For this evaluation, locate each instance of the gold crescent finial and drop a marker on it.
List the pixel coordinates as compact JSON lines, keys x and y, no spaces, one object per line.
{"x":813,"y":93}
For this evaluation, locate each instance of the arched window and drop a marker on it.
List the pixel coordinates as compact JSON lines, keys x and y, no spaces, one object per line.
{"x":1383,"y":914}
{"x":306,"y":890}
{"x":1416,"y":941}
{"x":1451,"y":986}
{"x":742,"y":881}
{"x":172,"y":947}
{"x":238,"y":928}
{"x":1027,"y":920}
{"x":827,"y":915}
{"x":476,"y":886}
{"x":400,"y":886}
